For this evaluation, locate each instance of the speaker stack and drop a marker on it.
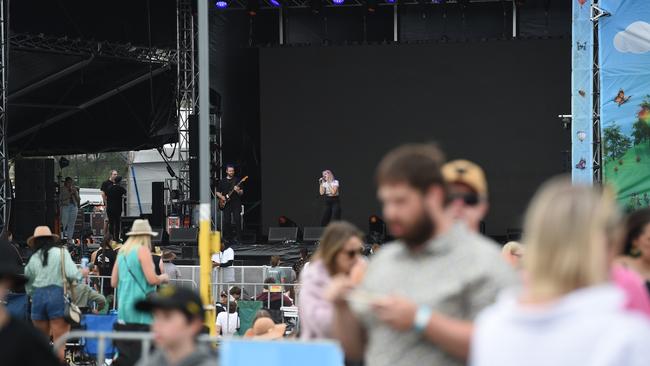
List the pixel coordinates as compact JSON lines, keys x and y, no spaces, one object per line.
{"x":35,"y":201}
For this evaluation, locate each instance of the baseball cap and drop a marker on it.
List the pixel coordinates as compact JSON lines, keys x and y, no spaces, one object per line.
{"x":467,"y":173}
{"x":173,"y":298}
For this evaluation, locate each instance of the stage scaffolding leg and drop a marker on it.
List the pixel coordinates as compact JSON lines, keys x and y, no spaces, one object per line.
{"x":5,"y":183}
{"x":205,"y":234}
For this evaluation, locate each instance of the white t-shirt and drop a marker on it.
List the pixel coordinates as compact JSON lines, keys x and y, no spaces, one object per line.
{"x":588,"y":327}
{"x":228,"y":273}
{"x":229,"y":323}
{"x":329,"y":187}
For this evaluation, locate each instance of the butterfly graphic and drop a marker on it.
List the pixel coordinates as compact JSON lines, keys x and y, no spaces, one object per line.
{"x":582,"y":93}
{"x":621,"y":98}
{"x":582,"y":2}
{"x":582,"y":46}
{"x":582,"y":164}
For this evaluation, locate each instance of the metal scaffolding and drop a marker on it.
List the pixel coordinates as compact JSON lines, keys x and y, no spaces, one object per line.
{"x":596,"y":14}
{"x":186,"y":98}
{"x":5,"y":183}
{"x":305,"y":4}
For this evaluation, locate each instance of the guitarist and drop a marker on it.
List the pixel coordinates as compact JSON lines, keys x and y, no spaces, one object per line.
{"x":232,"y":210}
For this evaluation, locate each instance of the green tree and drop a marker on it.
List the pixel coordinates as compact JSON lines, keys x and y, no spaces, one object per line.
{"x":641,"y":129}
{"x":616,"y":143}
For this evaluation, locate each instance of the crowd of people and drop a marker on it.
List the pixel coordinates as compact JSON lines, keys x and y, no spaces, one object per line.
{"x":574,"y":291}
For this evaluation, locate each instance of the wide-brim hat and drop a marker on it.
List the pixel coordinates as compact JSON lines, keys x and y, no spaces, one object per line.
{"x":41,"y":232}
{"x":9,"y":267}
{"x":266,"y":329}
{"x":141,"y":227}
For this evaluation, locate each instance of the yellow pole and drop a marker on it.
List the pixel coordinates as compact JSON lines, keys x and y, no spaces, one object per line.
{"x":208,"y":243}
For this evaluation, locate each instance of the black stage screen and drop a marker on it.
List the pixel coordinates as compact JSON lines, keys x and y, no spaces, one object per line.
{"x":342,"y":108}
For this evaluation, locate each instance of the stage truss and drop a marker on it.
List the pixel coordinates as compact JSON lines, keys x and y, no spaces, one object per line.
{"x":5,"y":182}
{"x":186,"y":97}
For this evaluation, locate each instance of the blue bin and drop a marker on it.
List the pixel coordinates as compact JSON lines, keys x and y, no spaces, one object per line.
{"x":99,"y":323}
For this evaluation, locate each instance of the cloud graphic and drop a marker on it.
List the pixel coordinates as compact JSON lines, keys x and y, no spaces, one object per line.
{"x":634,"y":39}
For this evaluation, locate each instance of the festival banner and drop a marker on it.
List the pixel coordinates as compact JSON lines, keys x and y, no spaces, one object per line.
{"x":624,"y":53}
{"x":582,"y":93}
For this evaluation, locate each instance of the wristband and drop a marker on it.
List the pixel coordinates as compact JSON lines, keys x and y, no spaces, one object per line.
{"x":421,"y":320}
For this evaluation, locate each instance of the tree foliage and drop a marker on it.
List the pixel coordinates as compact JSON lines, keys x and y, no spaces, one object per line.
{"x":616,"y":143}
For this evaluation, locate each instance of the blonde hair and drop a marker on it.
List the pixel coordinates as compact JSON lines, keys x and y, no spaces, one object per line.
{"x":512,"y":247}
{"x":334,"y":238}
{"x":134,"y":242}
{"x":568,"y":234}
{"x":331,"y":175}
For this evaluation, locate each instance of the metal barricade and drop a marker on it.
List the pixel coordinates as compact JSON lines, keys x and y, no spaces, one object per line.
{"x":102,"y":337}
{"x":218,"y":286}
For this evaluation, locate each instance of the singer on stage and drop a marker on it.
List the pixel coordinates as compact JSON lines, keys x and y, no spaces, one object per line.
{"x":328,"y":188}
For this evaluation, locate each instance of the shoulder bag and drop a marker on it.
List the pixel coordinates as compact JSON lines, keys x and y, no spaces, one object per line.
{"x":71,"y":312}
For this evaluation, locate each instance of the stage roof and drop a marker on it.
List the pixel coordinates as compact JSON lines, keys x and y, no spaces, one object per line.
{"x":89,"y":77}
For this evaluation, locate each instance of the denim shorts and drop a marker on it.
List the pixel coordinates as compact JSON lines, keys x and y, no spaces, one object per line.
{"x":47,"y":303}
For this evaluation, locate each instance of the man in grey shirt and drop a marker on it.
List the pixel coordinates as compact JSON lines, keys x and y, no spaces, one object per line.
{"x":420,"y":293}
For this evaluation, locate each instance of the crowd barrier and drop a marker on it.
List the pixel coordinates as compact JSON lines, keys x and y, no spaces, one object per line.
{"x":232,"y":352}
{"x":145,"y":338}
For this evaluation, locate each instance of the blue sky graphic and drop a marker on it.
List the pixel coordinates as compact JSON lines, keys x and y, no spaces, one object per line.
{"x":629,"y":71}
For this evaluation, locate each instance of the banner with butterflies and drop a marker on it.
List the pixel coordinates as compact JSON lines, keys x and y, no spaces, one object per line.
{"x":582,"y":93}
{"x":624,"y":55}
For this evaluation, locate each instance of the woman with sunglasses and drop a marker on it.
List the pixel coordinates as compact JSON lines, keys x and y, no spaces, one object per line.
{"x":339,"y":254}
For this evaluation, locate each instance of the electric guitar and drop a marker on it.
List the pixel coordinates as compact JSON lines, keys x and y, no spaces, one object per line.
{"x":224,"y":201}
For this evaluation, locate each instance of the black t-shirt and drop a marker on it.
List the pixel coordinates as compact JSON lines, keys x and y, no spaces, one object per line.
{"x":105,"y":260}
{"x":21,"y":344}
{"x":114,"y":201}
{"x":106,"y":185}
{"x":226,"y":185}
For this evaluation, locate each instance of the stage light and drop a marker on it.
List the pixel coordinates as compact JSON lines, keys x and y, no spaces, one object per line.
{"x":371,"y":5}
{"x":284,"y":221}
{"x":376,"y":225}
{"x":221,"y":4}
{"x":338,"y":2}
{"x":275,"y":3}
{"x":391,"y":1}
{"x":376,"y":230}
{"x":253,"y":7}
{"x":316,"y":6}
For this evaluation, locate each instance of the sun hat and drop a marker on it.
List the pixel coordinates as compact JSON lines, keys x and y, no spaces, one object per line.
{"x":266,"y":329}
{"x":41,"y":232}
{"x":141,"y":227}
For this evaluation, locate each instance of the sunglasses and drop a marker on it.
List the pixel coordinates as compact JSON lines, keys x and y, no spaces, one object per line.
{"x":470,"y":199}
{"x":354,"y":252}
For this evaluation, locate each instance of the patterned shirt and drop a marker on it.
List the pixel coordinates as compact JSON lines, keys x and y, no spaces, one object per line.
{"x":457,"y":274}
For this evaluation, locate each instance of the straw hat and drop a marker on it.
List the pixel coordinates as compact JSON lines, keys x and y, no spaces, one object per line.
{"x":41,"y":232}
{"x":266,"y":329}
{"x":141,"y":227}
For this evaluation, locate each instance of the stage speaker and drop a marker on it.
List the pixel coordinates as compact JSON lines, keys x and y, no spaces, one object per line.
{"x":187,"y":236}
{"x":279,"y":234}
{"x":189,"y":252}
{"x":195,"y":186}
{"x":312,"y":233}
{"x":159,"y":239}
{"x":35,"y":197}
{"x":125,"y":224}
{"x":157,"y":204}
